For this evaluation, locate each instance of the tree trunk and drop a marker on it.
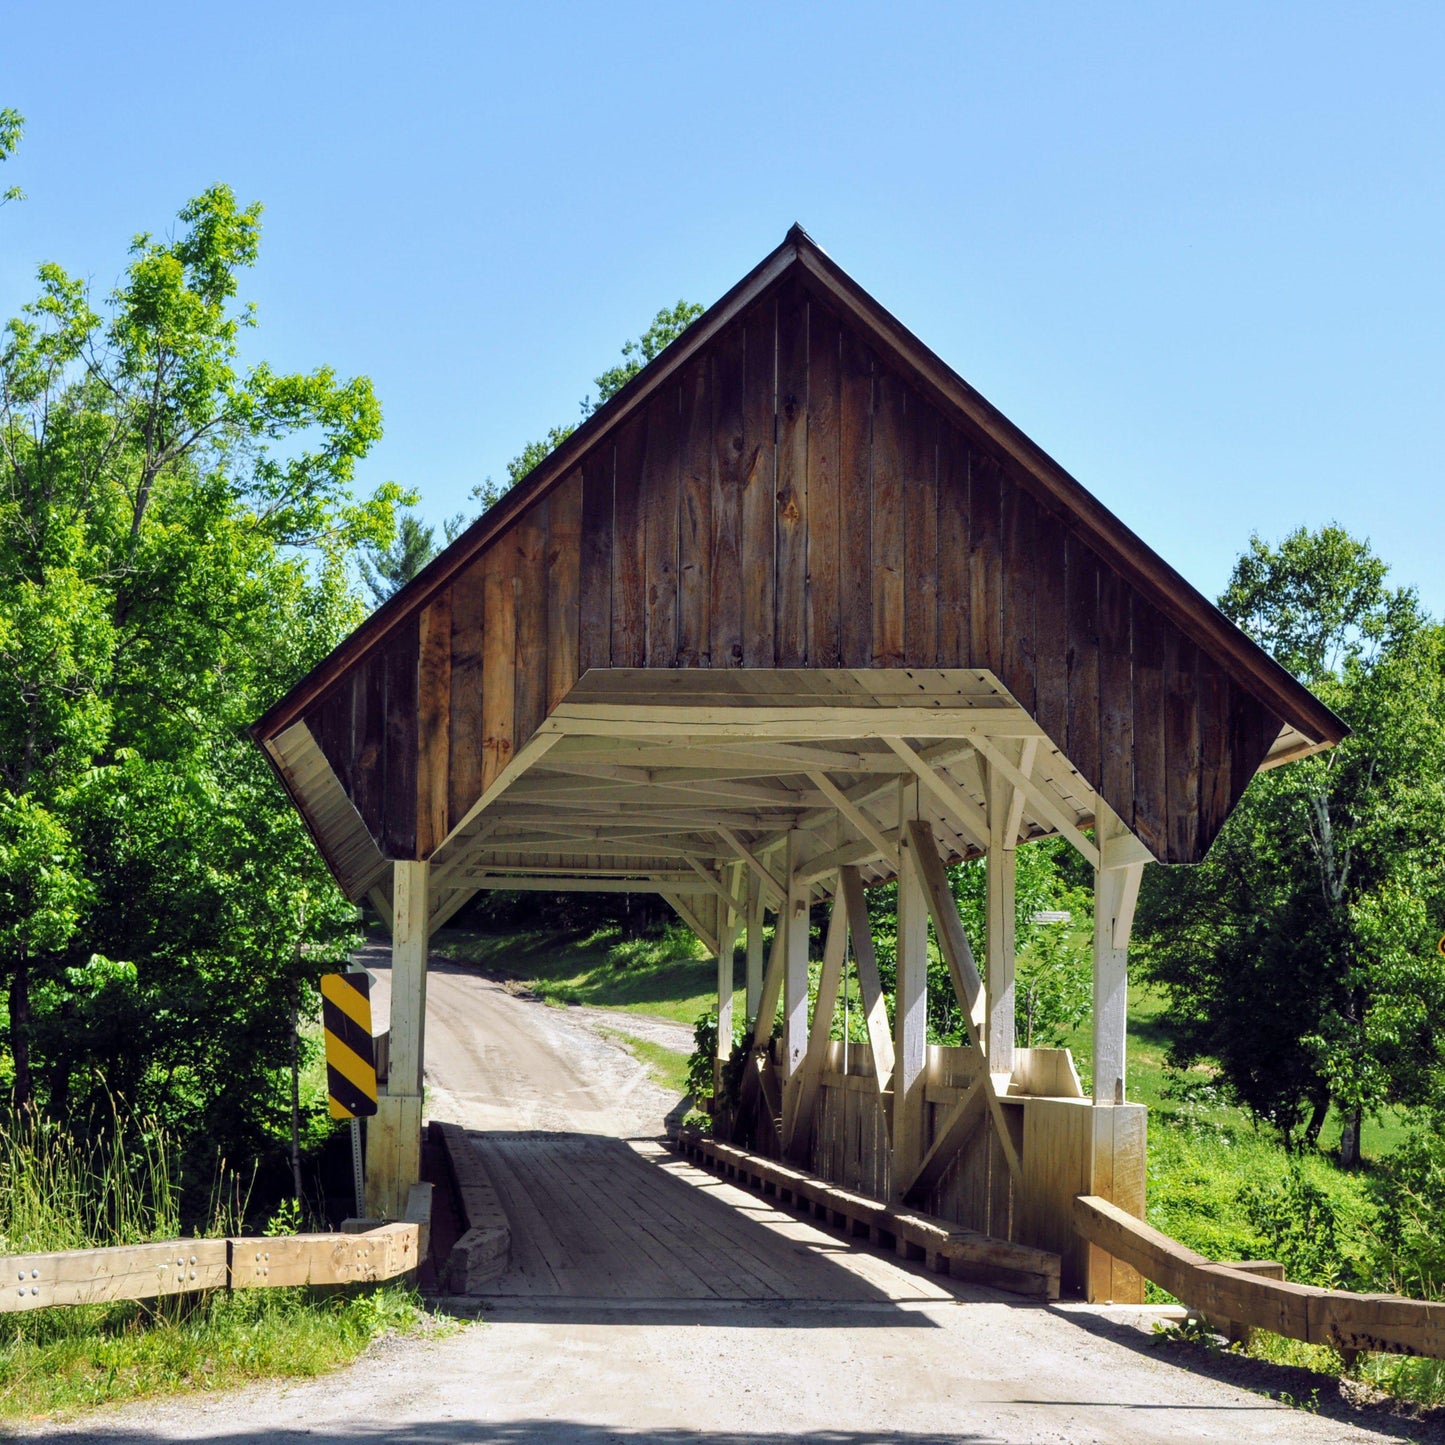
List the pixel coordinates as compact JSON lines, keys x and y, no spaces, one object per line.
{"x":20,"y":1034}
{"x":1318,"y":1112}
{"x":1350,"y":1140}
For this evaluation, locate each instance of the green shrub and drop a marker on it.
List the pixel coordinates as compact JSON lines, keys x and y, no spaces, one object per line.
{"x":1300,"y":1225}
{"x":1409,"y":1192}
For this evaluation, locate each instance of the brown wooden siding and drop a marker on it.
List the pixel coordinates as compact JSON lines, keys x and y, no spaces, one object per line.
{"x":788,"y":500}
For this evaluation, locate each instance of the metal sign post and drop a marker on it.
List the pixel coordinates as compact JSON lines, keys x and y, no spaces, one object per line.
{"x":357,"y":1174}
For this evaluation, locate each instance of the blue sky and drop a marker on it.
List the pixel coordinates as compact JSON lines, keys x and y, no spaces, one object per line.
{"x":1194,"y":251}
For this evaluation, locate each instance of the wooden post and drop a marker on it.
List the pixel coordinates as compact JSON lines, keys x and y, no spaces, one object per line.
{"x":1116,"y":890}
{"x":999,"y":913}
{"x":793,"y":925}
{"x":727,"y":936}
{"x":394,"y":1132}
{"x":755,"y":943}
{"x":910,"y":1011}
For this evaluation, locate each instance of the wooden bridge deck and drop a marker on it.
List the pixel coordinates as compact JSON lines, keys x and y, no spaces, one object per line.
{"x":606,"y":1219}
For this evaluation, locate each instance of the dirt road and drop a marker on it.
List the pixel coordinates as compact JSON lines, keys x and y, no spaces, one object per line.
{"x":861,"y":1350}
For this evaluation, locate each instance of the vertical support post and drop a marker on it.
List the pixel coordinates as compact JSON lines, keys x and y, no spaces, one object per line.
{"x":1116,"y":889}
{"x":999,"y":913}
{"x":394,"y":1134}
{"x":793,"y":925}
{"x":910,"y":1011}
{"x":727,"y":937}
{"x":755,"y":943}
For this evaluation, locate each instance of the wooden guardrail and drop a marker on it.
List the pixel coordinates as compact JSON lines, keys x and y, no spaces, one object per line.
{"x":181,"y":1266}
{"x":943,"y":1246}
{"x":1233,"y":1294}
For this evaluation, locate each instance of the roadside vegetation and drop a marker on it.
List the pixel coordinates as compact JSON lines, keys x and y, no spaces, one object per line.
{"x":182,"y":538}
{"x":59,"y":1192}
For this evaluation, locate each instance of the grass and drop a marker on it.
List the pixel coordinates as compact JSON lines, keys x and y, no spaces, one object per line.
{"x":665,"y":1066}
{"x":59,"y":1361}
{"x":61,"y":1192}
{"x":665,"y":975}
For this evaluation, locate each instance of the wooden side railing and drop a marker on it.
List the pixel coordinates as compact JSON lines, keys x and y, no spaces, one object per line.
{"x":1234,"y":1294}
{"x":180,"y":1266}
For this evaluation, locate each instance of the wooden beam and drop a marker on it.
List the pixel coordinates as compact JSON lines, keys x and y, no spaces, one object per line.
{"x":446,"y":907}
{"x":708,"y":725}
{"x":910,"y":1017}
{"x":1115,"y":891}
{"x":693,"y":919}
{"x":1044,"y":807}
{"x":382,"y":904}
{"x":849,"y":854}
{"x":802,"y":1092}
{"x":531,"y":753}
{"x":1119,"y":850}
{"x":999,"y":914}
{"x":957,"y":1128}
{"x":948,"y":928}
{"x":713,"y":885}
{"x":740,"y":758}
{"x":1028,"y":750}
{"x":759,"y":869}
{"x":533,"y":883}
{"x":862,"y":823}
{"x":408,"y":977}
{"x":755,"y":943}
{"x":875,"y":1010}
{"x":393,"y":1138}
{"x":961,"y":808}
{"x":727,"y":931}
{"x":793,"y":925}
{"x":772,"y":989}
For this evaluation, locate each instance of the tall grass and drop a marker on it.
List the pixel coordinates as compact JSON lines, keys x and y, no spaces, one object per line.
{"x":58,"y":1191}
{"x":62,"y":1191}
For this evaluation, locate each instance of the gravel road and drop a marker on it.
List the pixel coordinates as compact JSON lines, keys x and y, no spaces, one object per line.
{"x":911,"y":1369}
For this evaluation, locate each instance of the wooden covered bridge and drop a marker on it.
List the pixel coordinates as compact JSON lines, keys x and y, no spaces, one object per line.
{"x":798,"y":612}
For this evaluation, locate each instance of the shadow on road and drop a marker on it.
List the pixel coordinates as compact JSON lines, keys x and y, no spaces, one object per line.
{"x":525,"y":1432}
{"x":1320,"y":1394}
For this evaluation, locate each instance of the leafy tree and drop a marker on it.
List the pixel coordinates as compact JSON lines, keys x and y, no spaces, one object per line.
{"x":41,"y":895}
{"x":176,"y":532}
{"x":12,"y":128}
{"x":1050,"y":962}
{"x":387,"y":569}
{"x":1301,"y":954}
{"x":667,"y":326}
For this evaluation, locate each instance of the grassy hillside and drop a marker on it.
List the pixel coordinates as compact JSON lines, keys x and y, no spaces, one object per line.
{"x":666,"y":976}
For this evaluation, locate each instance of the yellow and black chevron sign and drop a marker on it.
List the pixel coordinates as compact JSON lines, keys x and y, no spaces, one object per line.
{"x":350,"y":1053}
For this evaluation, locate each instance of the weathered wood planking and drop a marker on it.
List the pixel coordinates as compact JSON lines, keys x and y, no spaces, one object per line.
{"x":499,"y":680}
{"x":920,"y":535}
{"x":594,"y":640}
{"x":695,"y":524}
{"x":464,"y":764}
{"x":629,"y":618}
{"x":824,"y":637}
{"x":729,"y":478}
{"x":1222,"y":1292}
{"x":955,"y":546}
{"x":186,"y":1266}
{"x":889,"y":437}
{"x":434,"y":706}
{"x":759,"y":544}
{"x":790,"y":500}
{"x":564,"y":548}
{"x":790,"y":602}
